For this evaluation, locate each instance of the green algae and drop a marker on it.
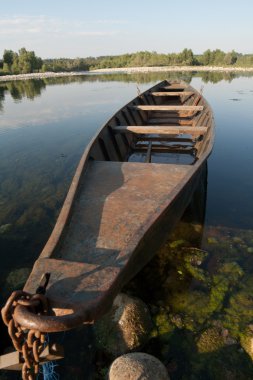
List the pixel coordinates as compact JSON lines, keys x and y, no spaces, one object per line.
{"x":163,"y":325}
{"x":201,"y":301}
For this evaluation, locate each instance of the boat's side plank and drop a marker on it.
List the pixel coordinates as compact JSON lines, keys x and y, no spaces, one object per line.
{"x":164,"y":130}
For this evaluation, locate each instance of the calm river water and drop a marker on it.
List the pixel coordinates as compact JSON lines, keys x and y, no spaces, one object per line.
{"x":202,"y":303}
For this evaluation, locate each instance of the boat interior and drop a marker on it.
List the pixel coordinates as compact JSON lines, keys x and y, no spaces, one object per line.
{"x":167,"y":124}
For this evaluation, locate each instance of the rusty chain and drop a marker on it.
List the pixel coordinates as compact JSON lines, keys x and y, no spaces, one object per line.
{"x":29,"y":343}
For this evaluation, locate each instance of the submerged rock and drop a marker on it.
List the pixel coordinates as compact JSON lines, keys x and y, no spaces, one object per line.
{"x":137,"y":366}
{"x":211,"y":340}
{"x":246,"y":341}
{"x":125,"y":328}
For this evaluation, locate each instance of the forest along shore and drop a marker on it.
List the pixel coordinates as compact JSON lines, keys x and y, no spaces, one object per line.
{"x":128,"y":70}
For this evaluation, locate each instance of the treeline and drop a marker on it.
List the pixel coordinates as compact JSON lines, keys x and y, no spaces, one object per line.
{"x":27,"y":62}
{"x":65,"y":64}
{"x":185,"y":58}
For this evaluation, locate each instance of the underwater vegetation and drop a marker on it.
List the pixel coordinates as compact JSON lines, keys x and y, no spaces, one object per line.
{"x":199,"y":291}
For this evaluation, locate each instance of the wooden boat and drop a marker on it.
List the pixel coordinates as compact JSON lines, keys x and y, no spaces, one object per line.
{"x":134,"y":181}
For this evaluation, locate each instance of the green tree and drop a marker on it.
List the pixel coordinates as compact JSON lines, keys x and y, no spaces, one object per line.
{"x":187,"y":57}
{"x":230,"y":58}
{"x":8,"y":57}
{"x":28,"y":62}
{"x":206,"y":57}
{"x":15,"y":65}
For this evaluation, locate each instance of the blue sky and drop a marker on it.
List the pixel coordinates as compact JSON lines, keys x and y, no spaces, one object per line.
{"x":81,"y":28}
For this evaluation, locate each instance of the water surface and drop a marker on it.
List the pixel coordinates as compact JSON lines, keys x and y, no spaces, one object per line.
{"x":44,"y":128}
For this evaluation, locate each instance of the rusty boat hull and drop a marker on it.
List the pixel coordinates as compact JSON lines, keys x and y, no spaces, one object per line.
{"x":132,"y":185}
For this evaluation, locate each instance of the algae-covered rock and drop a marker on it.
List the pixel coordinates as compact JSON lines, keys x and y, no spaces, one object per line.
{"x":137,"y":366}
{"x":125,"y":328}
{"x":210,"y":340}
{"x":192,"y":307}
{"x":246,"y":341}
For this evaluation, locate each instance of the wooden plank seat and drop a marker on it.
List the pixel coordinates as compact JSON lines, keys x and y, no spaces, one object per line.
{"x":164,"y":130}
{"x":172,"y":93}
{"x":167,"y":108}
{"x":173,"y":87}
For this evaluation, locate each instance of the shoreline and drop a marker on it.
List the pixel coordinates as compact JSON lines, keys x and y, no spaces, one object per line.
{"x":147,"y":69}
{"x":127,"y":70}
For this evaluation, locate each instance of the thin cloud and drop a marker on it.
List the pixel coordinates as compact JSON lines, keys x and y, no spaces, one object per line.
{"x":111,"y":22}
{"x":43,"y":24}
{"x":30,"y":25}
{"x":93,"y":34}
{"x":55,"y":36}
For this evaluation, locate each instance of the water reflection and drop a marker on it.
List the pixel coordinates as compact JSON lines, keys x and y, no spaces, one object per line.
{"x":33,"y":87}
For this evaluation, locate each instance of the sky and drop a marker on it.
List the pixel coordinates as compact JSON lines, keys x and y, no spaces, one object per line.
{"x":82,"y":28}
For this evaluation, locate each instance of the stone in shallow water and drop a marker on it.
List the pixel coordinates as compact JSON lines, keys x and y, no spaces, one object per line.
{"x":137,"y":366}
{"x":247,"y":342}
{"x":125,"y":328}
{"x":211,"y":340}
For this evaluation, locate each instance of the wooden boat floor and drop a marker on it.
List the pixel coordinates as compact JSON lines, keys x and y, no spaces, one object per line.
{"x":115,"y":202}
{"x":116,"y":199}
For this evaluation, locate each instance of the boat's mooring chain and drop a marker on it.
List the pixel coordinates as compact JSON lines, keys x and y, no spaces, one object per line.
{"x":29,"y":343}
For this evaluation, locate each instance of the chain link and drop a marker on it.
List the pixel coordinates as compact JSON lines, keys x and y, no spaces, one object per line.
{"x":30,"y":343}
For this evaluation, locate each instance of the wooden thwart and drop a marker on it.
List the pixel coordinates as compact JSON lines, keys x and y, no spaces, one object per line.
{"x":164,"y":130}
{"x":172,"y":93}
{"x":167,"y":108}
{"x":173,"y":87}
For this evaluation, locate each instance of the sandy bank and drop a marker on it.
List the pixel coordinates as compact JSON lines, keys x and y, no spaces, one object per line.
{"x":49,"y":74}
{"x":128,"y":70}
{"x":173,"y":68}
